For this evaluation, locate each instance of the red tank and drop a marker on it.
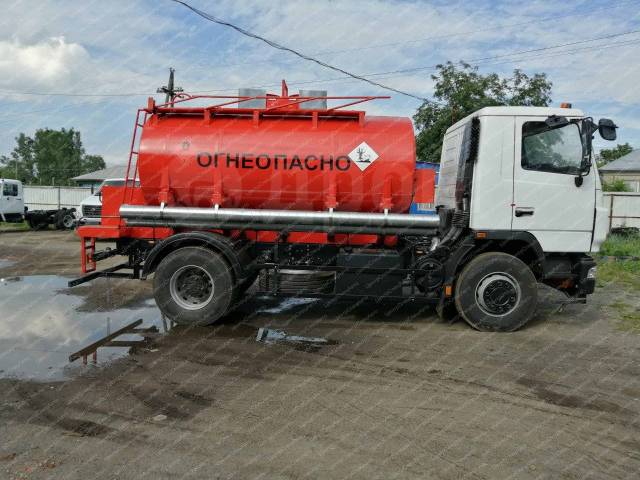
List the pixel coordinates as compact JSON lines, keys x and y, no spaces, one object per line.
{"x":277,"y":157}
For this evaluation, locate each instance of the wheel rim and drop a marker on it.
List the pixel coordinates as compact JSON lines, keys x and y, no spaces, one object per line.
{"x":498,"y":294}
{"x":191,"y":287}
{"x":67,"y":221}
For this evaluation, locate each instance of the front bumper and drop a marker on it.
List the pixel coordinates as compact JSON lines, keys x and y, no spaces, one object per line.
{"x":585,"y":270}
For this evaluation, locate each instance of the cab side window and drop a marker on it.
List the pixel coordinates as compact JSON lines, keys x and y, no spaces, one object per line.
{"x":10,"y":189}
{"x":555,"y":150}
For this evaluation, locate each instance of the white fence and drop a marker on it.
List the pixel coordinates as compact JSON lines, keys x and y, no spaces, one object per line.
{"x":624,"y":209}
{"x":49,"y":198}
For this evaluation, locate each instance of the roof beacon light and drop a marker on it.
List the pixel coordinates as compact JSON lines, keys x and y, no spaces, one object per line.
{"x":565,"y":105}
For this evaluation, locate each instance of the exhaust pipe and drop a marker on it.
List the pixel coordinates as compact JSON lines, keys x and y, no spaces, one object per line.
{"x":293,"y":220}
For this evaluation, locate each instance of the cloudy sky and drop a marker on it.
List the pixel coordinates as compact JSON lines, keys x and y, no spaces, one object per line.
{"x":89,"y":64}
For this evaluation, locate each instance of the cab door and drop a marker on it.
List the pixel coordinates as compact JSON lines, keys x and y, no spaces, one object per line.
{"x":547,"y":201}
{"x":6,"y":200}
{"x":11,"y":202}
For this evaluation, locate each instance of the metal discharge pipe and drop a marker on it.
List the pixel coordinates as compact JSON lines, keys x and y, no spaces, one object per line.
{"x":258,"y":219}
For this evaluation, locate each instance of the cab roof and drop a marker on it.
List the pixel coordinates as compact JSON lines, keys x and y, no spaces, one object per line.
{"x":518,"y":112}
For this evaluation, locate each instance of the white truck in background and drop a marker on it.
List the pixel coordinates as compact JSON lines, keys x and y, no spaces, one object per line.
{"x":11,"y":201}
{"x":13,"y":210}
{"x":91,"y":207}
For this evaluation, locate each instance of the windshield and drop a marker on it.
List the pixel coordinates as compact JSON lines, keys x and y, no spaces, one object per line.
{"x":558,"y":150}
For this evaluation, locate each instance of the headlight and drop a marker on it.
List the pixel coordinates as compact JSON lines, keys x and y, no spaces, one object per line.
{"x":591,"y":274}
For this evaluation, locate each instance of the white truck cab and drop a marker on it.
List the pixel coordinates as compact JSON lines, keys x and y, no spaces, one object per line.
{"x":11,"y":200}
{"x":525,"y":178}
{"x":521,"y":181}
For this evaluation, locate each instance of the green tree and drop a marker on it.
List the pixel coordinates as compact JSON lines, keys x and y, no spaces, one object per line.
{"x":615,"y":186}
{"x":20,"y":164}
{"x":461,"y":90}
{"x":610,"y":154}
{"x":51,"y":157}
{"x":91,"y":163}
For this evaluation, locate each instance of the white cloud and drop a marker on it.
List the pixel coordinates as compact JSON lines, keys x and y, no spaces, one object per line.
{"x":46,"y":64}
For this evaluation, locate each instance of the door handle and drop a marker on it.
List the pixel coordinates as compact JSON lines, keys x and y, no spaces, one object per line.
{"x":522,"y":211}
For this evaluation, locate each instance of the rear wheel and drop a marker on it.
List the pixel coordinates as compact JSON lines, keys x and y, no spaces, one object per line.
{"x":37,"y":224}
{"x":65,"y":220}
{"x":69,"y":221}
{"x":193,"y":286}
{"x":496,"y":292}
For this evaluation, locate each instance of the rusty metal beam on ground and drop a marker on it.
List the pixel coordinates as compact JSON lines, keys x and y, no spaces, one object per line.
{"x":126,"y":343}
{"x":95,"y":345}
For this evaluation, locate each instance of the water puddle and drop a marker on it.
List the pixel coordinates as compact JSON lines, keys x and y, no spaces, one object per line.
{"x":287,"y":304}
{"x":6,"y":263}
{"x":41,"y":325}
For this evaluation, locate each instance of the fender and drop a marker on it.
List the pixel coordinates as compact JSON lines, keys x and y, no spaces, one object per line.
{"x":517,"y":235}
{"x":213,"y":241}
{"x":475,"y":244}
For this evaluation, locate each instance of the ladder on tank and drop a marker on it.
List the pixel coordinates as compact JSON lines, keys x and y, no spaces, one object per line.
{"x":134,"y":152}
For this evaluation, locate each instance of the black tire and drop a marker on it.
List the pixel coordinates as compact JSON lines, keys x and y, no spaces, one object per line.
{"x":64,"y":220}
{"x":193,"y":286}
{"x":496,"y":292}
{"x":37,"y":225}
{"x":68,"y":221}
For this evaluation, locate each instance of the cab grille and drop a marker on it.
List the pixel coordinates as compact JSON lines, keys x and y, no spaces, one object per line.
{"x":91,"y":211}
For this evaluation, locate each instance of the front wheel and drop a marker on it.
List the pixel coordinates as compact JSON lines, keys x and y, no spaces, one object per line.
{"x":193,"y":286}
{"x":496,"y":292}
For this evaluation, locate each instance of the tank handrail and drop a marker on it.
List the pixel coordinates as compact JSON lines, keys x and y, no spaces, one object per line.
{"x":235,"y":99}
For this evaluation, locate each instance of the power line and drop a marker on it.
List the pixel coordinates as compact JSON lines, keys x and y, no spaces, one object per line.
{"x":447,"y":35}
{"x":64,"y":94}
{"x":388,"y":74}
{"x":481,"y":61}
{"x":480,"y":30}
{"x":273,"y":44}
{"x":533,"y":50}
{"x":11,"y":117}
{"x":531,"y":57}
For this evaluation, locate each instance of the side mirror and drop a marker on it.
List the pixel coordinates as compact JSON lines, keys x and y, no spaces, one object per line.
{"x":607,"y":129}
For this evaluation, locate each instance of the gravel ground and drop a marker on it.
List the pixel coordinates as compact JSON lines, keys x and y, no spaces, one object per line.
{"x":396,"y":393}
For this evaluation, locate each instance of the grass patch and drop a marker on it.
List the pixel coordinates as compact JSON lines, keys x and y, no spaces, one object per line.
{"x":620,"y":306}
{"x":626,"y":272}
{"x":14,"y":227}
{"x":621,"y":246}
{"x":630,"y":322}
{"x":629,"y":317}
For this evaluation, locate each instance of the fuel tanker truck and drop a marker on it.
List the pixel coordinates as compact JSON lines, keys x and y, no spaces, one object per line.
{"x":301,"y":198}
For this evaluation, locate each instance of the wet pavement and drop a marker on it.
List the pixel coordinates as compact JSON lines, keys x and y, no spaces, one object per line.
{"x":6,"y":263}
{"x":285,"y":305}
{"x":43,"y":322}
{"x":399,"y":394}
